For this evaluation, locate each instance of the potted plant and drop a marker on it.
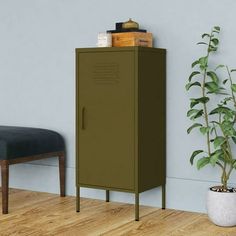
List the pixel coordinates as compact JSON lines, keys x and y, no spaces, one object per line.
{"x":216,"y":122}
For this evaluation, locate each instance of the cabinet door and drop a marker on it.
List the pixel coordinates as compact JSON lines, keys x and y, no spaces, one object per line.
{"x":106,"y":119}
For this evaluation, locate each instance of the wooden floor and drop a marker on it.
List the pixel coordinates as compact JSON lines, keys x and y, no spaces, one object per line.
{"x":34,"y":213}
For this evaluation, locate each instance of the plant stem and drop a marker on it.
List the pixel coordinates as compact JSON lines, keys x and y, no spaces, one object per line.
{"x":229,"y":148}
{"x":234,"y":101}
{"x":223,"y":177}
{"x":220,"y":165}
{"x":228,"y":155}
{"x":203,"y":94}
{"x":230,"y":170}
{"x":217,"y":163}
{"x":215,"y":130}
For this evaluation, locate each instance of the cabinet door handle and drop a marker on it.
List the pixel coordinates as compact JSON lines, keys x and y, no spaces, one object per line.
{"x":83,"y":118}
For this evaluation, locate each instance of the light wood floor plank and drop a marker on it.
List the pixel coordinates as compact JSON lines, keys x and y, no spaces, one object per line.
{"x":39,"y":214}
{"x":161,"y":222}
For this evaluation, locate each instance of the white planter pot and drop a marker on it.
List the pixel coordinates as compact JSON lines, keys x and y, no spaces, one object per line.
{"x":221,"y":208}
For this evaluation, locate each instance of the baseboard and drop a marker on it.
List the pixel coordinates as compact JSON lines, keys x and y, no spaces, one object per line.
{"x":181,"y":194}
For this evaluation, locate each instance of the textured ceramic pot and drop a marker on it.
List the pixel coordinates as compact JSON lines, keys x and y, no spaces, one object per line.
{"x":221,"y":208}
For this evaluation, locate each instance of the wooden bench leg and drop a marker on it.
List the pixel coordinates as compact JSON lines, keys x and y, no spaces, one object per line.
{"x":5,"y":185}
{"x":62,"y":174}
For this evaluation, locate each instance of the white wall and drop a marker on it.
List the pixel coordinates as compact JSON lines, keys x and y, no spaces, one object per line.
{"x":37,"y":79}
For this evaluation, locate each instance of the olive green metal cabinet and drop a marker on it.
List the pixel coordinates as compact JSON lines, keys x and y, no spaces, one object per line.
{"x":120,"y":120}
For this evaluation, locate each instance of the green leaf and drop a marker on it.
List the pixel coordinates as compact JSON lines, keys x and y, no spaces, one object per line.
{"x":203,"y":62}
{"x":198,"y":114}
{"x":233,"y":87}
{"x":234,"y":164}
{"x":204,"y":130}
{"x":215,"y":41}
{"x":195,"y":101}
{"x":202,"y":43}
{"x":202,"y":162}
{"x":228,"y":126}
{"x":220,"y":93}
{"x":217,"y":28}
{"x":192,"y":127}
{"x":194,"y":154}
{"x":195,"y":63}
{"x":203,"y":99}
{"x":189,"y":85}
{"x":215,"y":156}
{"x":212,"y":48}
{"x":214,"y":122}
{"x":234,"y":139}
{"x":213,"y":76}
{"x":218,"y":141}
{"x":193,"y":74}
{"x":191,"y":112}
{"x":215,"y":111}
{"x":226,"y":100}
{"x":225,"y":81}
{"x":233,"y":70}
{"x":219,"y":66}
{"x":220,"y":110}
{"x":212,"y":87}
{"x":195,"y":113}
{"x":206,"y":35}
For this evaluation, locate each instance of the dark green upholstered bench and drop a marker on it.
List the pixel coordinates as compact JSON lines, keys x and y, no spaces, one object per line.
{"x":21,"y":144}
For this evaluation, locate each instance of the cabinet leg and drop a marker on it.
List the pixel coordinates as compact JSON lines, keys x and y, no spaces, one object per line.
{"x":163,"y":196}
{"x":78,"y":199}
{"x":137,"y":206}
{"x":107,"y":196}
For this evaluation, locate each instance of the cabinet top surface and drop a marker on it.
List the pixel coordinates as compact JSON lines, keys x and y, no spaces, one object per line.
{"x":114,"y":49}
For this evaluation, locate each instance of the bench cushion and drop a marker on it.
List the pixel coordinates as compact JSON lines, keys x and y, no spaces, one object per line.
{"x":16,"y":142}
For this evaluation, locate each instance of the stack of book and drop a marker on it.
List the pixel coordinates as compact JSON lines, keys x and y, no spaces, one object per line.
{"x":122,"y":37}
